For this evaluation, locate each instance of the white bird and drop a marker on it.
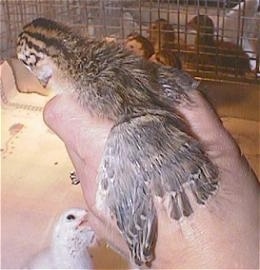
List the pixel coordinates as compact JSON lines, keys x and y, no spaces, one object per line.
{"x":68,"y":248}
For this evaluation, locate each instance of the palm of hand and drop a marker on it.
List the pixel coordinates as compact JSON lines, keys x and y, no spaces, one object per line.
{"x":226,"y":224}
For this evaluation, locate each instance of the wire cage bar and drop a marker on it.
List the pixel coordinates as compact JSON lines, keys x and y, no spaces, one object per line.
{"x":236,"y":24}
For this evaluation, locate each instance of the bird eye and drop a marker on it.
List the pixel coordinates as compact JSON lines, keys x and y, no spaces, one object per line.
{"x":71,"y":217}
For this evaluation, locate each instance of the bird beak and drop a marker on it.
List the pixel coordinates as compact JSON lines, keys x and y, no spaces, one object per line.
{"x":83,"y":221}
{"x":44,"y":81}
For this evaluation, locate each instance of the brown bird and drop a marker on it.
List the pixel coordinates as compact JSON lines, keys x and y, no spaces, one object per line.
{"x":167,"y":58}
{"x":162,"y":36}
{"x":139,"y":45}
{"x":211,"y":54}
{"x":150,"y":152}
{"x":142,"y":46}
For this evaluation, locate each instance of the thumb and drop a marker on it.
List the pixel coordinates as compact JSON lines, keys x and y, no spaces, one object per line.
{"x":77,"y":128}
{"x":207,"y":126}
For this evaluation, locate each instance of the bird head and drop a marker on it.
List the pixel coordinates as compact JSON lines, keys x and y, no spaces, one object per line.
{"x":44,"y":46}
{"x":202,"y":24}
{"x":162,"y":33}
{"x":139,"y":45}
{"x":73,"y":225}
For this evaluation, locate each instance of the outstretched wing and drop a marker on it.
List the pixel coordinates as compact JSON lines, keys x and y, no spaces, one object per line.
{"x":144,"y":157}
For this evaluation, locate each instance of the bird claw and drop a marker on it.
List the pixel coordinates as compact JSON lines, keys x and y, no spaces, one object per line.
{"x":74,"y":179}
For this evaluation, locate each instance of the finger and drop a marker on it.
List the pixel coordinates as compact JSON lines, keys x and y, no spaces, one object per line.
{"x":97,"y":220}
{"x":78,"y":129}
{"x":87,"y":173}
{"x":84,"y":137}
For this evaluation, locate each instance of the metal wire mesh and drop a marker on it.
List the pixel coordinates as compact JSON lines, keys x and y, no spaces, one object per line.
{"x":233,"y":22}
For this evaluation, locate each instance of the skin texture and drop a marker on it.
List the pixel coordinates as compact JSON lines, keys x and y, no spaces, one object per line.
{"x":222,"y":234}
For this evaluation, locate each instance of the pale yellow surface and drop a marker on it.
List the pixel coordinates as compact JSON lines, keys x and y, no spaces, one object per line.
{"x":35,"y":175}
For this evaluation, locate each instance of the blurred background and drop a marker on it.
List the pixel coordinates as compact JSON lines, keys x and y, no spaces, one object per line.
{"x":235,"y":21}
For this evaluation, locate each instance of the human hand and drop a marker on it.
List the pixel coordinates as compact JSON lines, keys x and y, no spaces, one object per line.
{"x":221,"y":234}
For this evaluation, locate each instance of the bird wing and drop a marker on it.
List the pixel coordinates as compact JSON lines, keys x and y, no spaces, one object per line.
{"x":168,"y":84}
{"x":148,"y":156}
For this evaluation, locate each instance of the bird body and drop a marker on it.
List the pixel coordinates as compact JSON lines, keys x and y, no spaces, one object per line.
{"x":167,"y":58}
{"x":211,"y":54}
{"x":141,"y":46}
{"x":162,"y":35}
{"x":68,"y":248}
{"x":150,"y":151}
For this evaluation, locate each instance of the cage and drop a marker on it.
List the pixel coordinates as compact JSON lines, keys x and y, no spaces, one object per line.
{"x":235,"y":25}
{"x":227,"y":66}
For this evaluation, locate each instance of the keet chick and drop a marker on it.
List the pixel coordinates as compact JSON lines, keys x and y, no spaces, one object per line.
{"x":150,"y":152}
{"x":216,"y":55}
{"x":68,"y":248}
{"x":139,"y":45}
{"x":161,"y":34}
{"x":167,"y":58}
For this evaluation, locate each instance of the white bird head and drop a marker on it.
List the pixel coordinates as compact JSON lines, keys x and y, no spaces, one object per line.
{"x":72,"y":227}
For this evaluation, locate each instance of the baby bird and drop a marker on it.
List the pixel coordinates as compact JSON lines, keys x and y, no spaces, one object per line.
{"x":167,"y":58}
{"x":211,"y":54}
{"x":68,"y":248}
{"x":139,"y":45}
{"x":161,"y":34}
{"x":150,"y":154}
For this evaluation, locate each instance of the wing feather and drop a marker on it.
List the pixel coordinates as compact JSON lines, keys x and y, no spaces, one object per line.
{"x":148,"y":156}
